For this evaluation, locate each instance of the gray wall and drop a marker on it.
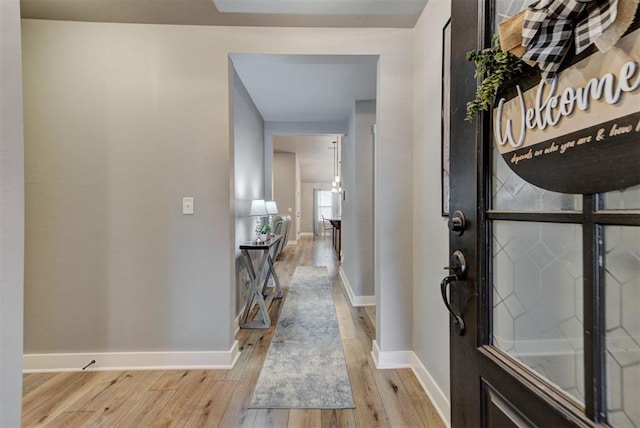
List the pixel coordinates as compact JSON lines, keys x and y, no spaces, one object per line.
{"x":248,"y":151}
{"x":285,"y":188}
{"x":120,"y":124}
{"x":11,"y":215}
{"x":357,"y":208}
{"x":122,"y":121}
{"x":430,"y":251}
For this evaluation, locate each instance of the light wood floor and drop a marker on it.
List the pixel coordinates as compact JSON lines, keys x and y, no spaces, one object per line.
{"x":385,"y":398}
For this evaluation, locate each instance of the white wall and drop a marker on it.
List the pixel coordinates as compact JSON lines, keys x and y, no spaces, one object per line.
{"x":248,"y":174}
{"x":285,"y":188}
{"x":357,"y":208}
{"x":431,"y":246}
{"x":122,"y":120}
{"x":11,"y":215}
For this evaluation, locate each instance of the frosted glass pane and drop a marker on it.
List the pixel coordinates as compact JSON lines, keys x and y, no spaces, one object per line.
{"x":512,"y":193}
{"x":622,"y":314}
{"x":628,"y":199}
{"x":537,"y":300}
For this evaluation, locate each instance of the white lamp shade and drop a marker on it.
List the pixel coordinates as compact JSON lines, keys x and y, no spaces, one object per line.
{"x":258,"y":208}
{"x":272,"y":207}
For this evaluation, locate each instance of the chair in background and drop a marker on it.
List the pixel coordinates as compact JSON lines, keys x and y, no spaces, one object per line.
{"x":286,"y":226}
{"x":326,"y":225}
{"x":278,"y":223}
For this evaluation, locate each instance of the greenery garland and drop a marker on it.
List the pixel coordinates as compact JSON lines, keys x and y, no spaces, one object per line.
{"x":495,"y":67}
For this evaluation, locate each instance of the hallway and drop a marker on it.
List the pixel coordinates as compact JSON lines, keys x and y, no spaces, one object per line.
{"x":386,"y":398}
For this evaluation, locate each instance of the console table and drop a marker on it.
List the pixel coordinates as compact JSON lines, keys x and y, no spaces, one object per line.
{"x":258,"y":292}
{"x":336,"y":235}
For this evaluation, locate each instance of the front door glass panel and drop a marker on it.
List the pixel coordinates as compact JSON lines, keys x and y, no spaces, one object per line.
{"x":627,"y":199}
{"x":510,"y":192}
{"x":537,"y":300}
{"x":563,"y":269}
{"x":622,"y":314}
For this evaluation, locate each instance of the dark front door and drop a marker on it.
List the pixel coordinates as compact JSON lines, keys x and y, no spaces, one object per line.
{"x":549,"y":291}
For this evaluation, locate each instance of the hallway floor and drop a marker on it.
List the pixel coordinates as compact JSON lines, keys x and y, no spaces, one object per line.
{"x":385,"y":398}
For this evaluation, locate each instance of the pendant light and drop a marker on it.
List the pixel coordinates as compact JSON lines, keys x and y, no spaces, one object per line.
{"x":337,"y":173}
{"x":334,"y":183}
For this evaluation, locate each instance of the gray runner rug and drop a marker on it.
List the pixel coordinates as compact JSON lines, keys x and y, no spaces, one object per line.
{"x":305,"y":366}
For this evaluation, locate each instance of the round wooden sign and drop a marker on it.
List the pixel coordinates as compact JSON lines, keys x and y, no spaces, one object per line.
{"x":579,"y":133}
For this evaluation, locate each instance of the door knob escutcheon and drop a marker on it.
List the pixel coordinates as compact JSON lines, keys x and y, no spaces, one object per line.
{"x":458,"y":264}
{"x":457,"y":222}
{"x":457,"y":270}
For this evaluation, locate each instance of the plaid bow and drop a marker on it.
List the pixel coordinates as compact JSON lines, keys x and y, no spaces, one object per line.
{"x":550,"y":26}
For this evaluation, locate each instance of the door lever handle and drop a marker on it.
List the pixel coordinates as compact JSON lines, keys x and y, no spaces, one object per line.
{"x":457,"y":319}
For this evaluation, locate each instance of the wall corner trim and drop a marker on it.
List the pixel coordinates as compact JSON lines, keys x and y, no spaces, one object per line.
{"x":409,"y":359}
{"x":109,"y":361}
{"x":355,"y":300}
{"x":390,"y":359}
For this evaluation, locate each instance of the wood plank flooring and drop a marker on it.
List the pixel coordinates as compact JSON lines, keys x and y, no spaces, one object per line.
{"x":219,"y":398}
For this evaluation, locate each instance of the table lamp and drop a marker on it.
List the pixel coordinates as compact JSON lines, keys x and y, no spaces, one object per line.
{"x":259,"y":210}
{"x":272,"y":209}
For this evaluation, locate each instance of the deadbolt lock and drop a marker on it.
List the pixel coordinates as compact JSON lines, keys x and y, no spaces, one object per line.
{"x":457,"y":223}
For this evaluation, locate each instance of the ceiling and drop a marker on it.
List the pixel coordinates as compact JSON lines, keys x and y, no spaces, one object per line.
{"x":285,"y":88}
{"x":264,"y":13}
{"x":322,"y":7}
{"x":315,"y":154}
{"x":308,"y":88}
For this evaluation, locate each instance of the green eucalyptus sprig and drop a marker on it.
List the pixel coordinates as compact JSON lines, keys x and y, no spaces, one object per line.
{"x":265,"y":229}
{"x":495,"y":67}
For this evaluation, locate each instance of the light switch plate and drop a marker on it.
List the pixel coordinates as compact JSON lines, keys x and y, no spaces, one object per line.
{"x":187,"y":206}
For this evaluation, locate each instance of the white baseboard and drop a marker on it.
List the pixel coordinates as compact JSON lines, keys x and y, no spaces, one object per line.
{"x":355,"y":300}
{"x":236,"y":322}
{"x":390,"y":359}
{"x":408,"y":359}
{"x":306,"y":234}
{"x":73,"y":362}
{"x":436,"y":394}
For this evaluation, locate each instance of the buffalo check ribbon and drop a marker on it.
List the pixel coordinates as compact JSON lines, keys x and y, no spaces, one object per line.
{"x":551,"y":25}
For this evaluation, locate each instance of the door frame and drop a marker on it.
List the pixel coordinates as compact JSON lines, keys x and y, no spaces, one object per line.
{"x":467,"y":33}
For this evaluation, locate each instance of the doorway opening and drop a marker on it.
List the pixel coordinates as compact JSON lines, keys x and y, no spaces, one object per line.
{"x":306,"y":102}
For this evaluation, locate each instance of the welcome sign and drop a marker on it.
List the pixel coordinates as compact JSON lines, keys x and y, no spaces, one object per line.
{"x":579,"y":133}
